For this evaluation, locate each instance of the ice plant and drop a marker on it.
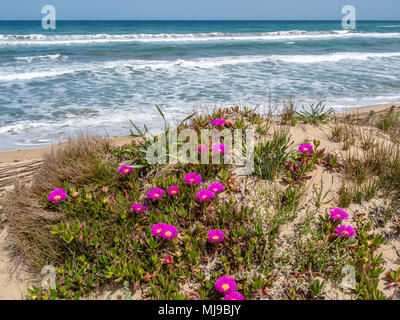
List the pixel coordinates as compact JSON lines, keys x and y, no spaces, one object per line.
{"x":156,"y":193}
{"x":169,"y":232}
{"x":218,"y":148}
{"x":225,"y":285}
{"x":234,"y":296}
{"x":168,"y":260}
{"x":193,"y":177}
{"x":104,"y":189}
{"x":338,"y":214}
{"x":125,"y":169}
{"x":215,"y":235}
{"x":173,"y":190}
{"x":345,"y":231}
{"x":218,"y":122}
{"x":306,"y":148}
{"x":157,"y":229}
{"x":204,"y":195}
{"x":57,"y":195}
{"x":202,"y":148}
{"x":138,"y":207}
{"x":216,"y":187}
{"x":164,"y":230}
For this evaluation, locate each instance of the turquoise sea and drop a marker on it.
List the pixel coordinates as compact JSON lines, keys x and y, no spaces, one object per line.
{"x":97,"y":75}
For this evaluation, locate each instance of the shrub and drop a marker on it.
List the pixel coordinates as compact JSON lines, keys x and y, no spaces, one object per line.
{"x":317,"y":114}
{"x":270,"y":156}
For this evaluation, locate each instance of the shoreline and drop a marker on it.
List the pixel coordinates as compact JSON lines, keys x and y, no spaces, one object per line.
{"x":36,"y":153}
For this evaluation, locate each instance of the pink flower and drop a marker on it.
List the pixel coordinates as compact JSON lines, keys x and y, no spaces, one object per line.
{"x":138,"y":207}
{"x":75,"y":194}
{"x":156,"y":193}
{"x":193,"y":177}
{"x":218,"y":148}
{"x":216,"y":187}
{"x":234,"y":296}
{"x":338,"y":214}
{"x":157,"y":229}
{"x":345,"y":231}
{"x":225,"y":285}
{"x":203,"y":148}
{"x":169,"y":232}
{"x":215,"y":235}
{"x":164,"y":230}
{"x":204,"y":195}
{"x":306,"y":148}
{"x":57,"y":195}
{"x":168,"y":260}
{"x":218,"y":122}
{"x":125,"y":169}
{"x":173,"y":190}
{"x":104,"y":189}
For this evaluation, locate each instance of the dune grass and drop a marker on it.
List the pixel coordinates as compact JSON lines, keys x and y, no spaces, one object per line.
{"x":95,"y":237}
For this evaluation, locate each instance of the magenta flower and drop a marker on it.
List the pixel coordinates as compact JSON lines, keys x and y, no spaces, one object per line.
{"x":104,"y":189}
{"x":193,"y":177}
{"x":125,"y":169}
{"x":218,"y":122}
{"x":215,"y":235}
{"x":173,"y":190}
{"x":216,"y":187}
{"x":218,"y":148}
{"x":169,"y":232}
{"x":345,"y":231}
{"x":225,"y":285}
{"x":234,"y":296}
{"x":203,"y":148}
{"x":168,"y":260}
{"x":338,"y":214}
{"x":164,"y":230}
{"x":306,"y":148}
{"x":57,"y":195}
{"x":158,"y":228}
{"x":138,"y":207}
{"x":156,"y":193}
{"x":204,"y":195}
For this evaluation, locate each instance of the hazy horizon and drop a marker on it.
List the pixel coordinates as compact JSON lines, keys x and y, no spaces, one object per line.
{"x":258,"y":10}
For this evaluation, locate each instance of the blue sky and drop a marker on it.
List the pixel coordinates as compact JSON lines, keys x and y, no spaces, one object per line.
{"x":199,"y":9}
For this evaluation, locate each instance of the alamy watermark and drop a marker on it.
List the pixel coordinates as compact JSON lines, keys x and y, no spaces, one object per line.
{"x":349,"y":20}
{"x":49,"y":20}
{"x":49,"y":280}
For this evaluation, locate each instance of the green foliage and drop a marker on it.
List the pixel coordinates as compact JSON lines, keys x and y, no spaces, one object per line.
{"x":270,"y":156}
{"x":389,"y":121}
{"x":317,"y":114}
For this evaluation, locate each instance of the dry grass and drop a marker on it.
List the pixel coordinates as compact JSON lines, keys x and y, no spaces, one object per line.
{"x":78,"y":161}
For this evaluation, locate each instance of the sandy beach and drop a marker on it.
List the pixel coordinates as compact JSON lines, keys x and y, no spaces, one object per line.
{"x":22,"y":164}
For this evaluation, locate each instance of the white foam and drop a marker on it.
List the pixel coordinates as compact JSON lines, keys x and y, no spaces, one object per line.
{"x":394,"y":26}
{"x":202,"y":63}
{"x":38,"y":39}
{"x":45,"y":57}
{"x":33,"y":75}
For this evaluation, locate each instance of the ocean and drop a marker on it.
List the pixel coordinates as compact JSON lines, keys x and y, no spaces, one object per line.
{"x":97,"y":75}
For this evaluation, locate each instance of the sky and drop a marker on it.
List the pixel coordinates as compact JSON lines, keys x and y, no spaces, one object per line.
{"x":200,"y":9}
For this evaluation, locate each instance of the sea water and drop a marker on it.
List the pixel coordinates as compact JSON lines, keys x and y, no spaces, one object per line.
{"x":97,"y":75}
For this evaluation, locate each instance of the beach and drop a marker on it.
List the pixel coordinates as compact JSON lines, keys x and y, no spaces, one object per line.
{"x":15,"y":277}
{"x":76,"y":192}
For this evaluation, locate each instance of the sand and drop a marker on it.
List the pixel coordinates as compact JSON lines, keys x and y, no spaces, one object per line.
{"x":22,"y":164}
